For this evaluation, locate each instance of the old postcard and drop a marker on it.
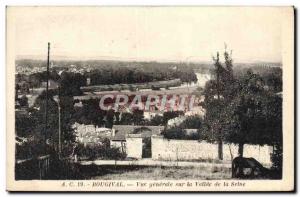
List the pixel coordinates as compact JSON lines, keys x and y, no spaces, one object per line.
{"x":150,"y":98}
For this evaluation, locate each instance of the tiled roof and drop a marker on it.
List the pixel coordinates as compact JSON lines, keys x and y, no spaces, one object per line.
{"x":146,"y":131}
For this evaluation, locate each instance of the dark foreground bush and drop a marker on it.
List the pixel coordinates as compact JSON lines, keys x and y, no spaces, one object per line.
{"x":92,"y":152}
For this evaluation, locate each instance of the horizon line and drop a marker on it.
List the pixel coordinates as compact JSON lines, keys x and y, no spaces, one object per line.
{"x":121,"y":59}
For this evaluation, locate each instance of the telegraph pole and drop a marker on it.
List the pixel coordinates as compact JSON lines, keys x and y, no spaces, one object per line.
{"x":47,"y":87}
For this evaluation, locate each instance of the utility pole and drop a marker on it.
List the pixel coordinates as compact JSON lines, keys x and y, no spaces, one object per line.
{"x":46,"y":107}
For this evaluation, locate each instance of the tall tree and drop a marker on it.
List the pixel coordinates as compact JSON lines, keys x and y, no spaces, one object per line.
{"x":218,"y":92}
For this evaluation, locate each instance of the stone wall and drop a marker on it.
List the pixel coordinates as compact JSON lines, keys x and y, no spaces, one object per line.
{"x":164,"y":149}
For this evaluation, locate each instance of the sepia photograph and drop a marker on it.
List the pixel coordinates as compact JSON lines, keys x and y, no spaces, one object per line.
{"x":150,"y":98}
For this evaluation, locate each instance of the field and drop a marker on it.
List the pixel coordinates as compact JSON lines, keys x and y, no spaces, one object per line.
{"x":167,"y":173}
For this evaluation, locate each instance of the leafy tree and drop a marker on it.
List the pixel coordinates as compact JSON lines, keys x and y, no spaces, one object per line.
{"x":37,"y":114}
{"x":180,"y":134}
{"x":23,"y":101}
{"x":109,"y":118}
{"x":71,"y":83}
{"x":218,"y":93}
{"x":255,"y":116}
{"x":24,"y":125}
{"x":90,"y":113}
{"x":174,"y":133}
{"x":67,"y":120}
{"x":191,"y":122}
{"x":242,"y":109}
{"x":170,"y":115}
{"x":157,"y":121}
{"x":138,"y":117}
{"x":126,"y":118}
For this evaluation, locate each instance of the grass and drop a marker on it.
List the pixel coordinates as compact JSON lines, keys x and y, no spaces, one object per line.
{"x":168,"y":173}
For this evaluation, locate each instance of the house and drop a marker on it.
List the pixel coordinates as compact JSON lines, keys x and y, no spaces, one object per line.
{"x":130,"y":137}
{"x":91,"y":134}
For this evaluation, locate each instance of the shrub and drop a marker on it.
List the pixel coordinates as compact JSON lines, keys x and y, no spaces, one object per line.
{"x":93,"y":152}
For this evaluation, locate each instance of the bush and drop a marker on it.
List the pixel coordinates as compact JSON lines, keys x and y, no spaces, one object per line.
{"x":276,"y":159}
{"x":180,"y":134}
{"x":93,"y":152}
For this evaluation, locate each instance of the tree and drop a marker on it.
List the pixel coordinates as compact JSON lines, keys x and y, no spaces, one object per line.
{"x":180,"y":134}
{"x":191,"y":122}
{"x":255,"y":114}
{"x":218,"y":93}
{"x":126,"y":118}
{"x":90,"y":113}
{"x":67,"y":118}
{"x":71,"y":83}
{"x":157,"y":120}
{"x":110,"y":114}
{"x":24,"y":125}
{"x":23,"y":101}
{"x":174,"y":133}
{"x":170,"y":115}
{"x":138,"y":117}
{"x":39,"y":129}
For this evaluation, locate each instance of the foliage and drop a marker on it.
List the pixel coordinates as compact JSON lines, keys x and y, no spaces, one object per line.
{"x":170,"y":115}
{"x":37,"y":114}
{"x":23,"y":101}
{"x":71,"y":83}
{"x":33,"y":124}
{"x":256,"y":113}
{"x":157,"y":121}
{"x":242,"y":108}
{"x":277,"y":159}
{"x":218,"y":93}
{"x":24,"y":125}
{"x":180,"y":134}
{"x":99,"y":151}
{"x":192,"y":122}
{"x":90,"y":113}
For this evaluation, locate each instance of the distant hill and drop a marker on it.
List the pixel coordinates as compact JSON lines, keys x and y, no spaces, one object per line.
{"x":94,"y":64}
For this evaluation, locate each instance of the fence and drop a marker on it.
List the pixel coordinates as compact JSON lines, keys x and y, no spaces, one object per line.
{"x":29,"y":169}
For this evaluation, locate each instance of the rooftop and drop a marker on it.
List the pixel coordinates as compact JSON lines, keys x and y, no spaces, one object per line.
{"x":146,"y":131}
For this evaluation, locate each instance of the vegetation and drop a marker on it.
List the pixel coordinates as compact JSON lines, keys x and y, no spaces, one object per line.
{"x":180,"y":133}
{"x":243,"y":108}
{"x":165,"y":173}
{"x":99,"y":151}
{"x":242,"y":105}
{"x":108,"y":74}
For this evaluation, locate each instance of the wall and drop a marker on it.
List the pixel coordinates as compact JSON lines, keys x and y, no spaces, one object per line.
{"x":134,"y":146}
{"x":163,"y":149}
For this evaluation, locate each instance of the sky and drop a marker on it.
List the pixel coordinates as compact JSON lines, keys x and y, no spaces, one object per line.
{"x":186,"y":34}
